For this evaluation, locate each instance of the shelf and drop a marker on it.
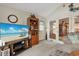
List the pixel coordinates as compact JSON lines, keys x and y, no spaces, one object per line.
{"x":33,"y":22}
{"x":18,"y":47}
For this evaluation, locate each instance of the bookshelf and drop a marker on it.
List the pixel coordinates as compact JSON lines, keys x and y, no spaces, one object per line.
{"x":33,"y":22}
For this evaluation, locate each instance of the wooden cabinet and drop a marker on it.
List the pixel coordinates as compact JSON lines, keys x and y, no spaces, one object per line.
{"x":17,"y":45}
{"x":33,"y":22}
{"x":34,"y":39}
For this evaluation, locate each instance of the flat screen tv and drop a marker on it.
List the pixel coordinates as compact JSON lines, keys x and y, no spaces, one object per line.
{"x":7,"y":29}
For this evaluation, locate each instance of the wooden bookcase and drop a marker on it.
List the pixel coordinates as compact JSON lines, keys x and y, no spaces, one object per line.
{"x":33,"y":22}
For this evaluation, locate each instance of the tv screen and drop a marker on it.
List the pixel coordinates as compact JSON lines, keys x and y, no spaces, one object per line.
{"x":7,"y":29}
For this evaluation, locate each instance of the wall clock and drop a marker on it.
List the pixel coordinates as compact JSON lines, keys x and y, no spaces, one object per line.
{"x":12,"y":18}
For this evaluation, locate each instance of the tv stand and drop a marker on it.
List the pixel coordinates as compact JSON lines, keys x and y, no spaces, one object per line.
{"x":15,"y":45}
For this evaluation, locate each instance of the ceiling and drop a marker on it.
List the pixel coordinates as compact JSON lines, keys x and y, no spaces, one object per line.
{"x":42,"y":9}
{"x":45,"y":10}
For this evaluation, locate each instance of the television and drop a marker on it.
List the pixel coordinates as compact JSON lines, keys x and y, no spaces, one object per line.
{"x":7,"y":29}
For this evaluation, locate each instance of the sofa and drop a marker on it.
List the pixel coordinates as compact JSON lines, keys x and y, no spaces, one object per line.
{"x":71,"y":38}
{"x":71,"y":43}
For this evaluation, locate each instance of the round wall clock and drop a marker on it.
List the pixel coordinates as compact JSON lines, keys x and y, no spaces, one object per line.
{"x":12,"y":18}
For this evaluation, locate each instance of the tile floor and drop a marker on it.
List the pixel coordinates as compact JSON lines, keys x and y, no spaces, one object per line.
{"x":44,"y":48}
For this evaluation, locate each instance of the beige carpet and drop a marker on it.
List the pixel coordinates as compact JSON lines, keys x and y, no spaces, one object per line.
{"x":44,"y":48}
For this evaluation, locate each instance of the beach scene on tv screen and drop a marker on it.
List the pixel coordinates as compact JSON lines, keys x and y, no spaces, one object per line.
{"x":7,"y":30}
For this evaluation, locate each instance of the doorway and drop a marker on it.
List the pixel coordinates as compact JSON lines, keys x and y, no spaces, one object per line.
{"x":63,"y":28}
{"x":52,"y":29}
{"x":42,"y":30}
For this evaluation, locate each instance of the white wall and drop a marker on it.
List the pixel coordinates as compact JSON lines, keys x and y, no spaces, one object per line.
{"x":5,"y":11}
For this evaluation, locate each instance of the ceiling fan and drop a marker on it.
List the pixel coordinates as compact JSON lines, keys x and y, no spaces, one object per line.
{"x":73,"y":8}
